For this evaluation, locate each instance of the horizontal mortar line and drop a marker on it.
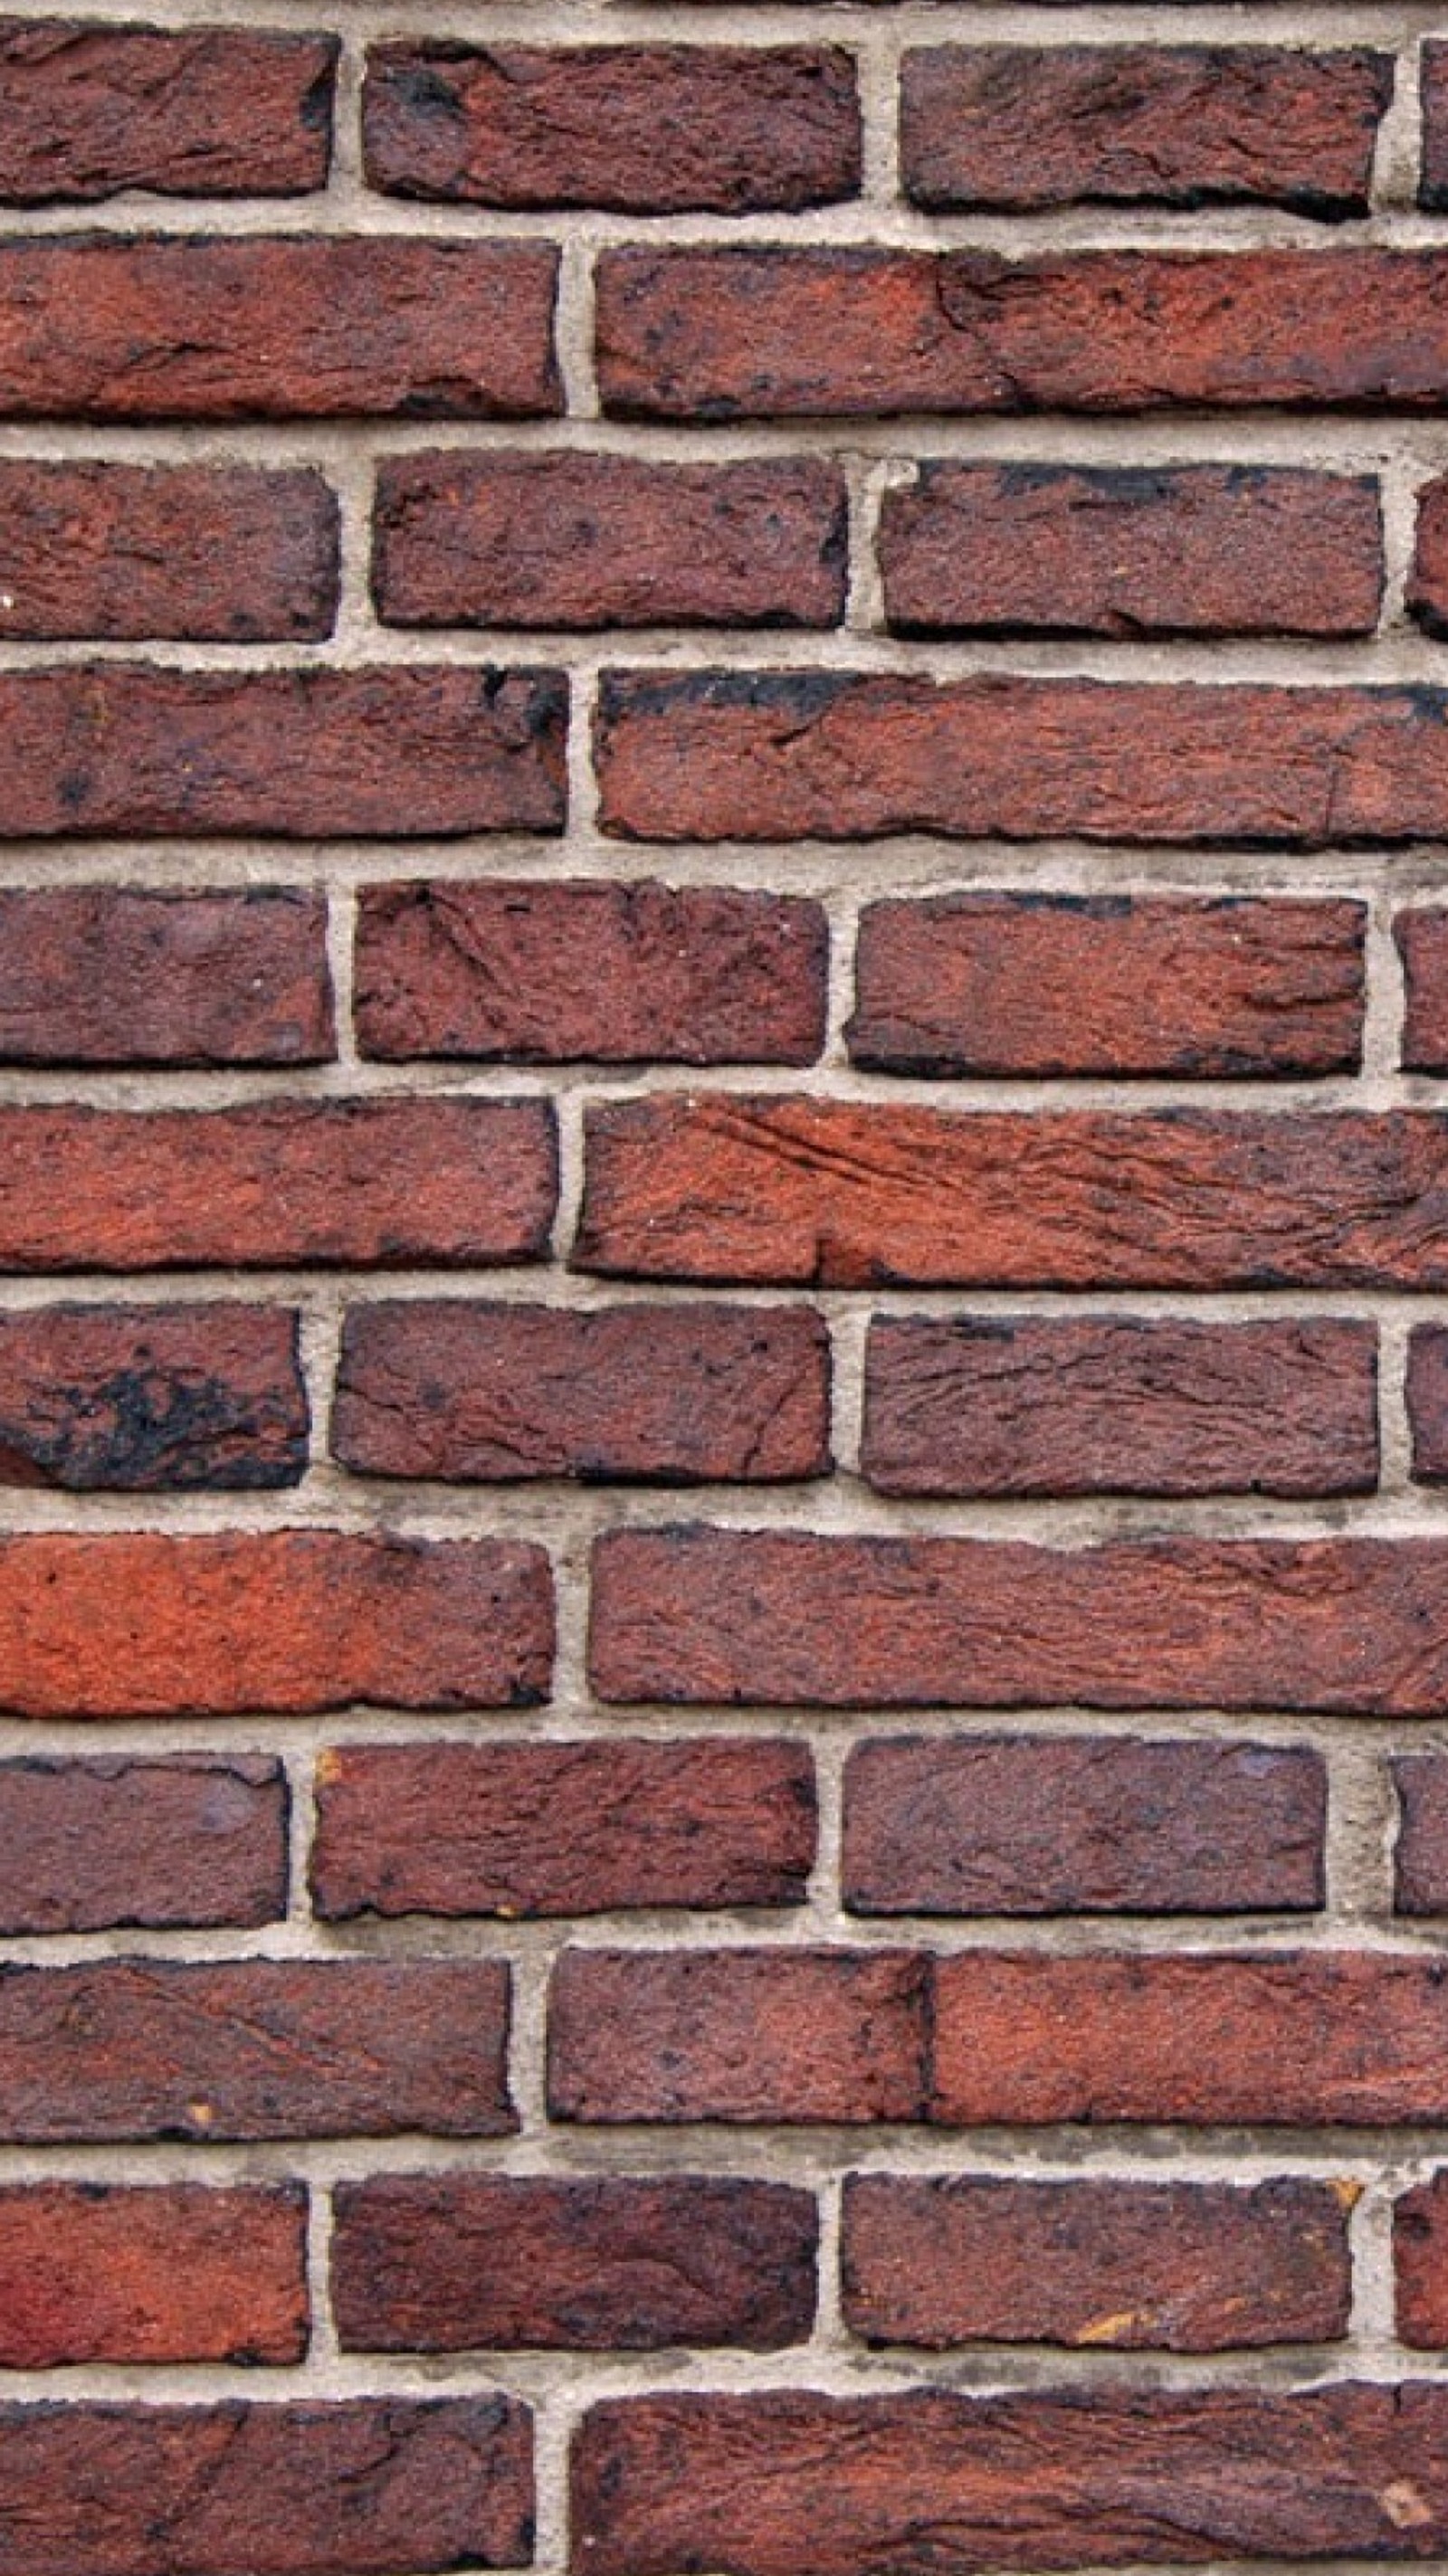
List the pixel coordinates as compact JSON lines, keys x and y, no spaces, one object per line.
{"x":635,"y":20}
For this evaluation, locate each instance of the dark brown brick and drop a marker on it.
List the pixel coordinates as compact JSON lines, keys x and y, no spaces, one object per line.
{"x":839,"y":756}
{"x":125,"y":975}
{"x":146,"y":1625}
{"x":276,"y":1183}
{"x":458,"y":2262}
{"x":1025,"y":1405}
{"x":1071,"y":1825}
{"x":585,"y":1828}
{"x":255,"y":2048}
{"x":937,"y":2484}
{"x":151,"y":1398}
{"x":239,"y":327}
{"x":760,"y":1617}
{"x":1420,"y":2264}
{"x":1427,"y":589}
{"x":1421,"y":1782}
{"x":1128,"y":551}
{"x":1427,"y":1390}
{"x":613,"y":974}
{"x":127,"y":748}
{"x":356,"y":2488}
{"x":739,"y":2035}
{"x":1422,"y":940}
{"x":210,"y":553}
{"x":1433,"y":92}
{"x":91,"y":2272}
{"x":591,"y":541}
{"x":1121,"y":2266}
{"x":716,"y":334}
{"x":1021,"y":127}
{"x":842,"y":1194}
{"x":1109,"y":985}
{"x":194,"y":1839}
{"x":643,"y":129}
{"x":492,"y":1394}
{"x":87,"y":111}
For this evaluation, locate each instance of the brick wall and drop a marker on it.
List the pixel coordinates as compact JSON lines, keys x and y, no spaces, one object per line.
{"x":724,"y":1219}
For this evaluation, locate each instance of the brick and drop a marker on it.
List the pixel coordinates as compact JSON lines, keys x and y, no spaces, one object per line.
{"x":192,"y":1840}
{"x":799,"y":2036}
{"x":88,"y":111}
{"x":1433,"y":94}
{"x":1420,"y":2264}
{"x":1071,"y":1825}
{"x":1208,"y":987}
{"x":207,"y":553}
{"x":578,"y":541}
{"x":147,"y":1625}
{"x":90,"y":2272}
{"x":580,"y":1828}
{"x":256,"y":2048}
{"x":1426,"y":596}
{"x":931,"y":2483}
{"x":1427,"y":1391}
{"x":1021,"y":127}
{"x":697,"y":1615}
{"x":128,"y":975}
{"x":356,"y":2488}
{"x":841,"y":1194}
{"x":1025,"y":1405}
{"x":1120,"y":2266}
{"x":459,"y":2262}
{"x":641,"y":129}
{"x":715,"y":334}
{"x":1126,"y":551}
{"x":242,"y":327}
{"x":149,"y":1399}
{"x":654,"y":1394}
{"x":1421,"y":1865}
{"x":611,"y":974}
{"x":276,"y":1183}
{"x":129,"y":749}
{"x":1340,"y":2038}
{"x":1422,"y":942}
{"x":837,"y":756}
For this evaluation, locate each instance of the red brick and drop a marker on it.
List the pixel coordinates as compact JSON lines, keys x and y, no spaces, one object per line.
{"x":1024,"y":1405}
{"x":124,"y":552}
{"x":1337,"y":2038}
{"x":937,"y":2484}
{"x":1427,"y":1390}
{"x":194,"y":1839}
{"x":351,"y":2489}
{"x":643,"y":129}
{"x":1129,"y":551}
{"x":839,"y":756}
{"x":1433,"y":90}
{"x":654,"y":1394}
{"x":89,"y":2272}
{"x":1427,"y":589}
{"x":458,"y":2262}
{"x":1069,"y":1825}
{"x":126,"y":748}
{"x":276,"y":1183}
{"x":739,"y":2035}
{"x":713,"y":333}
{"x":143,"y":1399}
{"x":145,"y":1625}
{"x":255,"y":2048}
{"x":1124,"y":2266}
{"x":613,"y":974}
{"x":1422,"y":940}
{"x":1421,"y":1877}
{"x":1420,"y":2264}
{"x":592,"y":541}
{"x":585,"y":1828}
{"x":1027,"y":126}
{"x":697,"y":1615}
{"x":131,"y":975}
{"x":239,"y":327}
{"x":840,"y":1194}
{"x":87,"y":111}
{"x":1109,"y":985}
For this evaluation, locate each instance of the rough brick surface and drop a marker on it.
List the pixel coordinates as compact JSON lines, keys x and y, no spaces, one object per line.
{"x":1422,"y":940}
{"x":129,"y":552}
{"x":1421,"y":1783}
{"x":116,"y":975}
{"x":90,"y":2273}
{"x":1420,"y":2264}
{"x":87,"y":111}
{"x":1433,"y":90}
{"x":194,"y":1839}
{"x":151,"y":1398}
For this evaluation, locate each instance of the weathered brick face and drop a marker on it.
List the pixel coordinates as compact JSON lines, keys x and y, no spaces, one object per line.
{"x":723,"y":1239}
